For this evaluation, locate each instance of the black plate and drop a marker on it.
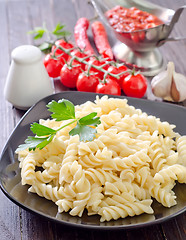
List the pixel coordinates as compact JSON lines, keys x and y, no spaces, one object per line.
{"x":10,"y":172}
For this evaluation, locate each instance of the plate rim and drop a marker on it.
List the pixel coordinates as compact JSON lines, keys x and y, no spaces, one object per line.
{"x":82,"y":225}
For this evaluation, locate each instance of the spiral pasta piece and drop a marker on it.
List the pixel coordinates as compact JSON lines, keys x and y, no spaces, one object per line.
{"x":137,"y":159}
{"x":145,"y":122}
{"x":127,"y":174}
{"x":164,"y":196}
{"x":95,"y":199}
{"x":142,"y":174}
{"x":28,"y":169}
{"x":110,"y":119}
{"x":47,"y":176}
{"x":157,"y":156}
{"x":71,"y":150}
{"x":45,"y":190}
{"x":175,"y":172}
{"x":181,"y":147}
{"x":124,"y":210}
{"x":108,"y":104}
{"x":121,"y":187}
{"x":100,"y":176}
{"x":90,"y":147}
{"x":64,"y":205}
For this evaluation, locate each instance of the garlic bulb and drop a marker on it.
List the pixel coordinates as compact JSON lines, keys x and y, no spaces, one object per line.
{"x":169,"y":85}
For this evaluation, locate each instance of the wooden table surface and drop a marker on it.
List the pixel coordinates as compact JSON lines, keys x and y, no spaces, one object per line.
{"x":17,"y":17}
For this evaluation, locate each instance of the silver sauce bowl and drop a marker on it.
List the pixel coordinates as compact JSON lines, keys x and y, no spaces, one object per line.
{"x":139,"y":49}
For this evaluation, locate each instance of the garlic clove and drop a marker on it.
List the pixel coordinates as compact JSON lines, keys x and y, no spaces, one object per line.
{"x":160,"y":88}
{"x":175,"y":95}
{"x":161,"y":83}
{"x":178,"y":88}
{"x":170,"y":85}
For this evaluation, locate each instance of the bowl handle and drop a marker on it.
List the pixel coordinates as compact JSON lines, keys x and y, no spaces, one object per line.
{"x":173,"y":39}
{"x":174,"y":20}
{"x":176,"y":16}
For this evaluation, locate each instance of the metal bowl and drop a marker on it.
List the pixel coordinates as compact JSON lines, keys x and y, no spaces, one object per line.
{"x":139,"y":48}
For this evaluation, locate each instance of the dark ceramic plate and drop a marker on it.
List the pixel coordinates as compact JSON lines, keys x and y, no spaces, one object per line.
{"x":10,"y":172}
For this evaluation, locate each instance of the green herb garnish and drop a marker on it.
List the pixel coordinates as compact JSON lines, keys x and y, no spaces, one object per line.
{"x":50,"y":36}
{"x":61,"y":110}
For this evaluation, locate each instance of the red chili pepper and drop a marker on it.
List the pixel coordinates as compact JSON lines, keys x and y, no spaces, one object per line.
{"x":81,"y":38}
{"x":101,"y":40}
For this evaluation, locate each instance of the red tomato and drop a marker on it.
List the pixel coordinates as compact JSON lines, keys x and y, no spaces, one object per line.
{"x":53,"y":66}
{"x":117,"y":70}
{"x":135,"y":85}
{"x":109,"y":87}
{"x":69,"y":75}
{"x":79,"y":54}
{"x":106,"y":56}
{"x":87,"y":83}
{"x":98,"y":63}
{"x":64,"y":44}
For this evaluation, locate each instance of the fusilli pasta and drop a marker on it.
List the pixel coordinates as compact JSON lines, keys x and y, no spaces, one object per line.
{"x":133,"y":158}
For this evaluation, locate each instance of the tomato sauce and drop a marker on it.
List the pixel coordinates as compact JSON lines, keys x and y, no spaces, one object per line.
{"x":131,"y":19}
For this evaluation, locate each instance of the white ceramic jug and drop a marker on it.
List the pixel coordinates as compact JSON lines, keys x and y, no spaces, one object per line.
{"x":27,"y":81}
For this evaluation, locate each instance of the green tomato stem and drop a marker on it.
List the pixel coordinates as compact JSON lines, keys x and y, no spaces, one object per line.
{"x":83,"y":60}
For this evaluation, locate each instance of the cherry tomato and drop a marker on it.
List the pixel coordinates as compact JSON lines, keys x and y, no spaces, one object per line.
{"x":135,"y":85}
{"x":64,"y":44}
{"x":109,"y":87}
{"x":117,"y":70}
{"x":106,"y":55}
{"x":53,"y":66}
{"x":98,"y":63}
{"x":69,"y":75}
{"x":79,"y":54}
{"x":87,"y":83}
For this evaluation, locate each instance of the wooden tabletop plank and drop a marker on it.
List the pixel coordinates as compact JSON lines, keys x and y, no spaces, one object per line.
{"x":19,"y":25}
{"x":35,"y":227}
{"x":65,"y":14}
{"x":116,"y":235}
{"x":175,"y":228}
{"x":152,"y":233}
{"x":35,"y":14}
{"x":65,"y":232}
{"x":9,"y":212}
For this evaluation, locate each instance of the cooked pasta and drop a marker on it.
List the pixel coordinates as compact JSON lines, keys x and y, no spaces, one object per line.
{"x":133,"y":158}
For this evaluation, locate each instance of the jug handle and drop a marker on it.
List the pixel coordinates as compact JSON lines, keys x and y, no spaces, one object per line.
{"x":173,"y":21}
{"x":176,"y":16}
{"x":173,"y":39}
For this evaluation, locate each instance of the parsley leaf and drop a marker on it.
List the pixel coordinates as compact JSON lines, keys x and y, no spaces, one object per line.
{"x":85,"y":133}
{"x":84,"y":127}
{"x":41,"y":130}
{"x":58,"y":27}
{"x":62,"y":110}
{"x":31,"y":143}
{"x":90,"y":119}
{"x":45,"y":47}
{"x":49,"y":36}
{"x":45,"y":142}
{"x":38,"y":32}
{"x":58,"y":31}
